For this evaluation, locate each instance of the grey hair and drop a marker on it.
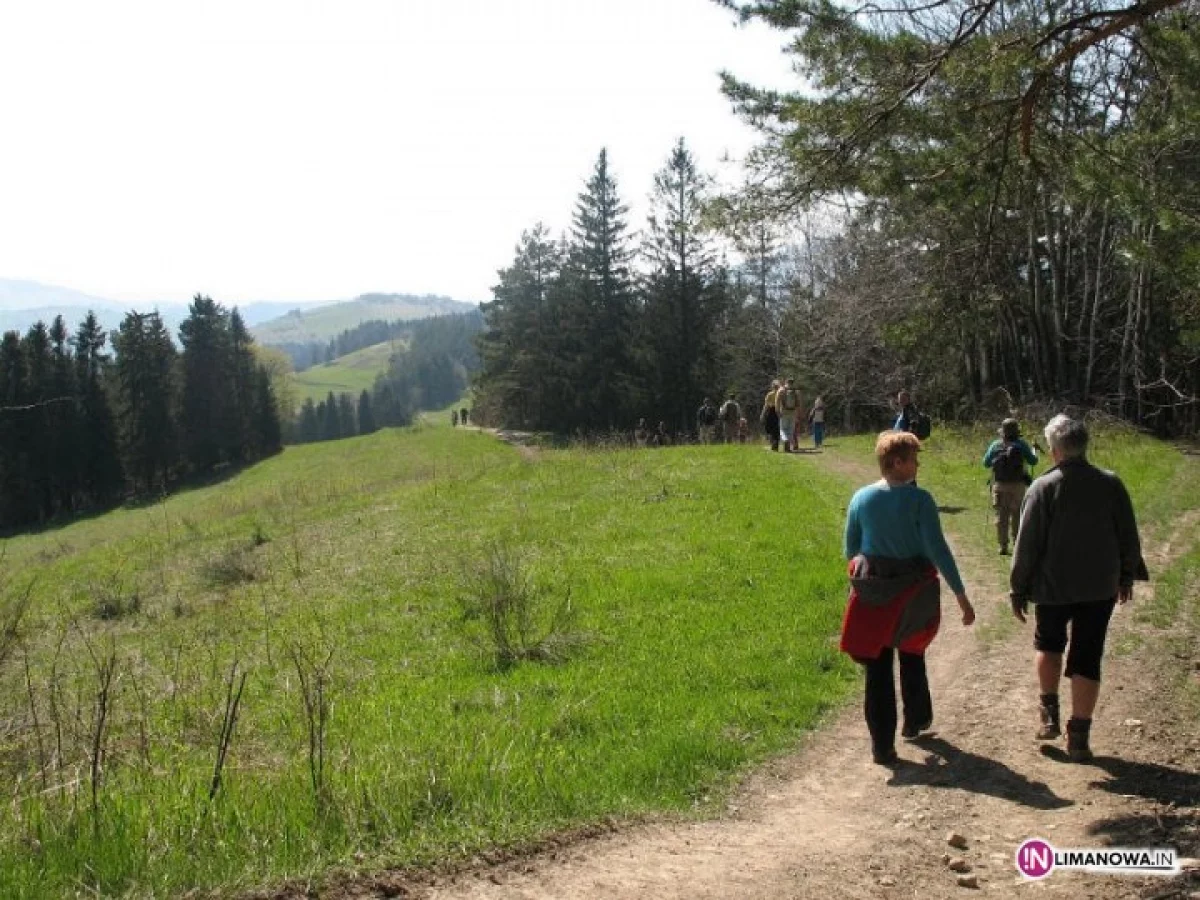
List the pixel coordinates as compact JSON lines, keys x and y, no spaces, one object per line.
{"x":1066,"y":435}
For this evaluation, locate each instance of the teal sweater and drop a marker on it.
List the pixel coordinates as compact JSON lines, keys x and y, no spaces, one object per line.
{"x":900,"y":522}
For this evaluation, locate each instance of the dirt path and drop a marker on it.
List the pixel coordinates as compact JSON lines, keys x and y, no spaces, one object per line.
{"x":827,"y":822}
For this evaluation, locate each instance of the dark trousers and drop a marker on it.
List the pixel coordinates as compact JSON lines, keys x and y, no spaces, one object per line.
{"x":880,"y":703}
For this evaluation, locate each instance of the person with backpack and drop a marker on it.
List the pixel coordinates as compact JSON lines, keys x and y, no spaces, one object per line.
{"x":730,"y":413}
{"x":1006,"y":457}
{"x":706,"y":420}
{"x":911,"y":419}
{"x":769,"y":417}
{"x":787,"y":404}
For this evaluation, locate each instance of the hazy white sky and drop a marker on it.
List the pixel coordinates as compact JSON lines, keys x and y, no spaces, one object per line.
{"x":318,"y":149}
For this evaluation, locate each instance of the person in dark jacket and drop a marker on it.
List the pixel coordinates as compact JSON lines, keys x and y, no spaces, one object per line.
{"x":1077,"y":556}
{"x":1007,"y":457}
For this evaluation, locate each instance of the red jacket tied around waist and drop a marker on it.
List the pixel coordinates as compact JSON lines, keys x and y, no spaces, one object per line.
{"x":892,"y":603}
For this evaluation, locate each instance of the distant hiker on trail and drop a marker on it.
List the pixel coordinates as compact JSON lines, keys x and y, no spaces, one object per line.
{"x":706,"y":421}
{"x":787,"y":403}
{"x":661,"y":438}
{"x":729,"y":415}
{"x":908,"y":412}
{"x":1077,"y":556}
{"x":641,"y":435}
{"x":769,"y":417}
{"x":454,"y":418}
{"x":816,"y":419}
{"x":743,"y":430}
{"x":1006,"y":457}
{"x":896,"y":548}
{"x":463,"y":417}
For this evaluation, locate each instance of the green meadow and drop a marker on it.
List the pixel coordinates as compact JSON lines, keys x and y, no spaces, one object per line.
{"x":295,"y":669}
{"x":350,"y":374}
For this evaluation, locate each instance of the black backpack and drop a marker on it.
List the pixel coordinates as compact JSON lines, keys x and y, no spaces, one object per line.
{"x":920,"y":425}
{"x":1008,"y":466}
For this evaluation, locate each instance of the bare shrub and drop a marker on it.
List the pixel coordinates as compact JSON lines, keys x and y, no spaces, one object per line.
{"x":233,"y":567}
{"x":512,"y":618}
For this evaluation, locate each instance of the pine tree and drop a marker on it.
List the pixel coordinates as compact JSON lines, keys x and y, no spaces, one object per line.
{"x":146,"y":387}
{"x":366,"y":418}
{"x":683,"y":302}
{"x":97,"y":460}
{"x":208,"y":416}
{"x":600,"y":291}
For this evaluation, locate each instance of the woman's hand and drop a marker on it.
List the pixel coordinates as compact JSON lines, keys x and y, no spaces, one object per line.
{"x":968,"y":611}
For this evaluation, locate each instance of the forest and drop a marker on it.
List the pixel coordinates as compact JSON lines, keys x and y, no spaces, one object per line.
{"x":82,"y":429}
{"x":989,"y":204}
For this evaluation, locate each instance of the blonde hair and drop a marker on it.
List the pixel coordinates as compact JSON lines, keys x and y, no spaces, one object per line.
{"x":895,"y":446}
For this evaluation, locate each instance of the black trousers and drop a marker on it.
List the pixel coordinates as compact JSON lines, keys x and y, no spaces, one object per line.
{"x":880,"y":702}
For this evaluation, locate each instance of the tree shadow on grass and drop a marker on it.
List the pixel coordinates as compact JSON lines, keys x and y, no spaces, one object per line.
{"x":948,"y":766}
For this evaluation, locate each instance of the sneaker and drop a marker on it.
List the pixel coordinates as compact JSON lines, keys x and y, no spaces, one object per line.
{"x":911,"y":732}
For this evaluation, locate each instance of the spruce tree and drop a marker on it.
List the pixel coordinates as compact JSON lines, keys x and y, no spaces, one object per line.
{"x":601,"y":294}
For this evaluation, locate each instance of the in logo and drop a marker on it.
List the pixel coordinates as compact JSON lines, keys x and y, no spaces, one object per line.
{"x":1035,"y":858}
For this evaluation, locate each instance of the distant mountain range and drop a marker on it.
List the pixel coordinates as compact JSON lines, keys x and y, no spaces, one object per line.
{"x":22,"y":303}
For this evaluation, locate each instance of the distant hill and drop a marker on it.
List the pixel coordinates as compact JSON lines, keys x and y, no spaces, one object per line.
{"x":349,"y":374}
{"x":22,"y":303}
{"x":325,"y":322}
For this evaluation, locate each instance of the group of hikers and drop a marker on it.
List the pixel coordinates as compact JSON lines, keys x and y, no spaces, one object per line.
{"x":780,"y":412}
{"x":458,"y":417}
{"x":1076,"y":554}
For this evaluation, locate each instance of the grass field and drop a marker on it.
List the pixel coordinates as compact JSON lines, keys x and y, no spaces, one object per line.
{"x":349,"y":374}
{"x":701,"y":591}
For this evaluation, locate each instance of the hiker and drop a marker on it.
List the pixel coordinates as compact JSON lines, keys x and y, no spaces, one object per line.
{"x":1006,"y":457}
{"x":706,"y":420}
{"x":729,"y":414}
{"x":462,"y":416}
{"x":743,"y":430}
{"x":769,"y":417}
{"x":660,"y":438}
{"x":454,"y":418}
{"x":816,"y":419}
{"x":896,"y":548}
{"x":910,"y":418}
{"x":641,"y":434}
{"x":787,"y":403}
{"x":908,"y":413}
{"x":1077,"y":556}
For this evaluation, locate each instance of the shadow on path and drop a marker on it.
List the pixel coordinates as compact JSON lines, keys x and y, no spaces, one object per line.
{"x":949,"y":766}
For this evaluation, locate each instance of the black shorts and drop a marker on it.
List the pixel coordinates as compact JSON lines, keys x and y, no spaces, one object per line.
{"x":1089,"y":626}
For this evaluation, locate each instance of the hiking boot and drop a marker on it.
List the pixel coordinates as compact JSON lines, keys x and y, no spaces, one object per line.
{"x":1078,"y":731}
{"x":887,"y":757}
{"x":1050,"y":728}
{"x":911,"y":732}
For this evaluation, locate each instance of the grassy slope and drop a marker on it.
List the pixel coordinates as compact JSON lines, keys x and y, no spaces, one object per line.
{"x":709,"y":579}
{"x":349,"y":374}
{"x":326,"y":322}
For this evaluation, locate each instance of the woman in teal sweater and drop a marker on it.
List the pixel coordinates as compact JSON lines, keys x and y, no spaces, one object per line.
{"x":895,"y":543}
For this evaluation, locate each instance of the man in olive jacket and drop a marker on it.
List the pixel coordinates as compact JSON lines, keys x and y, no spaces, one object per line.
{"x":1077,"y":556}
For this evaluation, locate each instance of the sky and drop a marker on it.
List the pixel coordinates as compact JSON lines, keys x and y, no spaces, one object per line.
{"x":314,"y":150}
